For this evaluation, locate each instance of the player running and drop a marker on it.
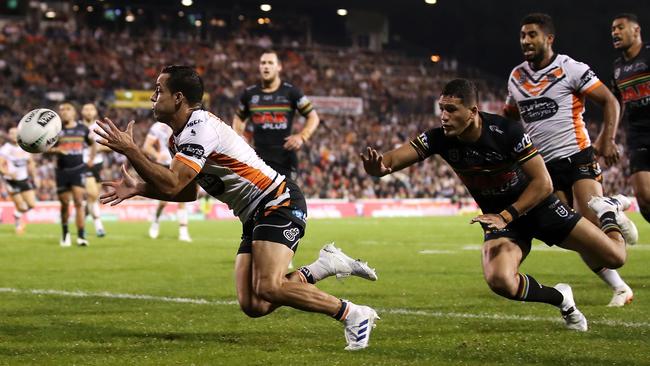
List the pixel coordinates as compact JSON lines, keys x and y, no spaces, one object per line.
{"x":155,"y":147}
{"x":507,"y":177}
{"x":547,"y":93}
{"x":631,"y":85}
{"x":94,"y":173}
{"x":74,"y":138}
{"x":207,"y":152}
{"x":18,"y":170}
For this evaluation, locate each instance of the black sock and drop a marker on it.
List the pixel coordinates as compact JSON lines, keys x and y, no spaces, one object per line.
{"x":81,"y":233}
{"x":341,"y":312}
{"x":608,"y":222}
{"x":307,"y":273}
{"x":64,"y":227}
{"x":531,"y":290}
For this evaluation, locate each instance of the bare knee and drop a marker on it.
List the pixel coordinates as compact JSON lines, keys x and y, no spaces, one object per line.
{"x":269,"y":290}
{"x":252,"y":311}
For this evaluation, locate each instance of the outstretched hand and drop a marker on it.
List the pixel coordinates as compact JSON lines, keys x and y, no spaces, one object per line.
{"x":119,"y":190}
{"x":113,"y":138}
{"x":373,"y":164}
{"x":490,"y":221}
{"x":606,"y":149}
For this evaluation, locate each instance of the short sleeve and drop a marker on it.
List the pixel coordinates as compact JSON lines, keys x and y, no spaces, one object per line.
{"x":300,"y":102}
{"x":195,"y":144}
{"x":581,"y":77}
{"x":425,"y":144}
{"x":521,"y":145}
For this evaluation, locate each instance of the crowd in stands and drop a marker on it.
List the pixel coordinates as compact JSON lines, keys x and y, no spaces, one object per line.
{"x":39,"y":68}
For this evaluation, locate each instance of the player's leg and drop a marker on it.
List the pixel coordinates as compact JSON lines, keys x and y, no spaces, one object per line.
{"x":65,"y":196}
{"x":154,"y":229}
{"x":501,"y":258}
{"x":20,"y":208}
{"x":92,"y":205}
{"x":78,"y":193}
{"x":269,"y":266}
{"x":641,"y":184}
{"x":183,"y":219}
{"x":583,"y":191}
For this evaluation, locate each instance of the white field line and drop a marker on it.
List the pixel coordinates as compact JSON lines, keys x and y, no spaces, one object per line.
{"x":396,"y":311}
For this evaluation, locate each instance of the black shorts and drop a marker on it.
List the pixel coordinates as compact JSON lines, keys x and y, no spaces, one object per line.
{"x":551,"y":222}
{"x":19,"y":186}
{"x":639,"y":159}
{"x":95,"y":171}
{"x":565,"y":172}
{"x":67,"y":178}
{"x":281,"y":222}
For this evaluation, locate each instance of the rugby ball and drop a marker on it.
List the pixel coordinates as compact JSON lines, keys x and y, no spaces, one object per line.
{"x":39,"y":130}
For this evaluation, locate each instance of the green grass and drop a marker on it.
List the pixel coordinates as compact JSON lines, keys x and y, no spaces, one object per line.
{"x":460,"y":320}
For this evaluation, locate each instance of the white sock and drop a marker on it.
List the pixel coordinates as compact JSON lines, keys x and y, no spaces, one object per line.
{"x":612,"y":278}
{"x":182,"y":216}
{"x":94,"y":210}
{"x":98,"y":225}
{"x":318,"y":270}
{"x":182,"y":231}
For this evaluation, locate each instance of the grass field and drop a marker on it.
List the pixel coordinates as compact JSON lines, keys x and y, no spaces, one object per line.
{"x":70,"y":305}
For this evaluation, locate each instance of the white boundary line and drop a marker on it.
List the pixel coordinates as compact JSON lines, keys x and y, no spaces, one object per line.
{"x":434,"y":314}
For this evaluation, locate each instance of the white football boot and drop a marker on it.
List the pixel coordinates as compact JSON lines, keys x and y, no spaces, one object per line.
{"x":358,"y":325}
{"x":342,"y":266}
{"x":154,"y":230}
{"x":573,"y":318}
{"x":622,"y":296}
{"x":616,"y":204}
{"x":82,"y":242}
{"x":65,"y":242}
{"x":183,"y":234}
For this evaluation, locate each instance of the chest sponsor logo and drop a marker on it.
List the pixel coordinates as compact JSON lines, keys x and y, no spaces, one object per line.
{"x":255,"y":99}
{"x":538,"y":109}
{"x":636,"y":92}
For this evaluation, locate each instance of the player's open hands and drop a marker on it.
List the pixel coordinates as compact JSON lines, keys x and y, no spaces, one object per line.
{"x":293,"y":142}
{"x":373,"y":164}
{"x":490,"y":221}
{"x":114,"y":138}
{"x":119,"y":190}
{"x":607,"y":149}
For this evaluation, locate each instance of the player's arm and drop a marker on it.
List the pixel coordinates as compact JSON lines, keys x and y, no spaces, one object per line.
{"x":605,"y":144}
{"x":92,"y":153}
{"x":31,"y":169}
{"x":149,"y":147}
{"x":310,"y":125}
{"x":161,"y":181}
{"x":511,"y":112}
{"x":4,"y":166}
{"x":238,"y":124}
{"x":378,"y":165}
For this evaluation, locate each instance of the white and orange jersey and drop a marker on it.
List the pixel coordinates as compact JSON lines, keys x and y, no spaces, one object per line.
{"x":17,"y":160}
{"x":229,"y":169}
{"x":162,"y":133}
{"x":551,"y":102}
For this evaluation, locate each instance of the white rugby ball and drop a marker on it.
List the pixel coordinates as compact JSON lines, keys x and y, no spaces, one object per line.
{"x":39,"y":130}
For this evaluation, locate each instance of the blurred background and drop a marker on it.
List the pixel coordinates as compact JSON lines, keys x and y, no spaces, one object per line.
{"x":388,"y":58}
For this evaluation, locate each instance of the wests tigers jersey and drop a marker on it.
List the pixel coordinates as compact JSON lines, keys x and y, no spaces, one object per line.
{"x":551,"y":102}
{"x":228,"y":168}
{"x":17,"y":160}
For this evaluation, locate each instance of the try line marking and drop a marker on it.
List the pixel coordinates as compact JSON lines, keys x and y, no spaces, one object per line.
{"x":435,"y":314}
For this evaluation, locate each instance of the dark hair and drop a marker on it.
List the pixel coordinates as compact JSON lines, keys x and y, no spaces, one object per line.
{"x":463,"y":89}
{"x":186,"y":80}
{"x":629,"y":16}
{"x":544,"y":21}
{"x":270,"y":50}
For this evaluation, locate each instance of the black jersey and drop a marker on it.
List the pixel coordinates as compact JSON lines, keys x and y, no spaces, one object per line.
{"x":72,"y":142}
{"x":631,"y":84}
{"x":272,"y":116}
{"x":491,"y":166}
